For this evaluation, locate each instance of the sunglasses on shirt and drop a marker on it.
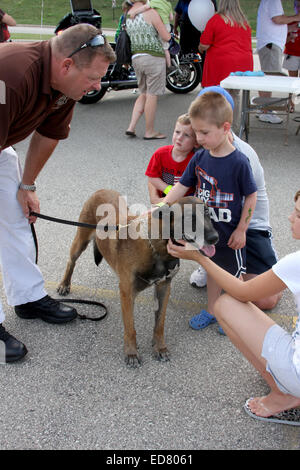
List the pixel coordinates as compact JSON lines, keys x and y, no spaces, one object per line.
{"x":96,"y":41}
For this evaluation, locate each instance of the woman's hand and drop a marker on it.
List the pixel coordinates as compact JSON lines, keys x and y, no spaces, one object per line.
{"x":184,"y":251}
{"x":203,"y":47}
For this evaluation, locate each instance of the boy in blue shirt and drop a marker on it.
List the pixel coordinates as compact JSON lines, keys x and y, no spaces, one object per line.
{"x":224,"y":181}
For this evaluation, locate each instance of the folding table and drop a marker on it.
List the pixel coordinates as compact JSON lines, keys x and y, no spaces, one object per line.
{"x":271,"y":83}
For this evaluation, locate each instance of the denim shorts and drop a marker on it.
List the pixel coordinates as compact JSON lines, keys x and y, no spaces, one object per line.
{"x":278,"y":350}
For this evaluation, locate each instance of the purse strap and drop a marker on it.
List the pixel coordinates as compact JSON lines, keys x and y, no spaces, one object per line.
{"x":124,"y":22}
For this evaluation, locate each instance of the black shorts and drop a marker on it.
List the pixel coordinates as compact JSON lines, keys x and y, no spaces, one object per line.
{"x":233,"y":261}
{"x":261,"y":255}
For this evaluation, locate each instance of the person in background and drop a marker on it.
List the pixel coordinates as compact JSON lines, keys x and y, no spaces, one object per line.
{"x":148,"y":60}
{"x":228,"y":45}
{"x":122,"y":17}
{"x":5,"y":20}
{"x":291,"y":60}
{"x":189,"y":35}
{"x":271,"y":33}
{"x":165,"y":10}
{"x":273,"y":352}
{"x":168,"y":163}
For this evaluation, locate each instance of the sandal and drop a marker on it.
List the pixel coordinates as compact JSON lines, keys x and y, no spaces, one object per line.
{"x":221,"y":331}
{"x":156,"y":137}
{"x":202,"y":320}
{"x":130,"y":133}
{"x":291,"y":417}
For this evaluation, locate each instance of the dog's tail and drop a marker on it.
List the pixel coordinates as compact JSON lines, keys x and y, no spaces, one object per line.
{"x":97,"y":255}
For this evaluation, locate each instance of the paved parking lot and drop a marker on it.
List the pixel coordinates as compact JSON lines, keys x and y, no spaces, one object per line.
{"x":73,"y":390}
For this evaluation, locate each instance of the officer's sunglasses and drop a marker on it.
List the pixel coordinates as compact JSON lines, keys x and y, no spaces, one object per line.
{"x":96,"y":41}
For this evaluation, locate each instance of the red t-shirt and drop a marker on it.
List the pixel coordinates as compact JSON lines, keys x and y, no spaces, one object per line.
{"x":163,"y":166}
{"x":292,"y":47}
{"x":230,"y":50}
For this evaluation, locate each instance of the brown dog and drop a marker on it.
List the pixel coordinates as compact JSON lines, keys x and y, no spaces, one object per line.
{"x":137,"y":252}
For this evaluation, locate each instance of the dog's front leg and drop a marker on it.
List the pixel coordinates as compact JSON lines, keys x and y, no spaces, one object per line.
{"x":127,"y":296}
{"x":162,"y":292}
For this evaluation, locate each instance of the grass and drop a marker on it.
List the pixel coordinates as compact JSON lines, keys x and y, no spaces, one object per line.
{"x":29,"y":11}
{"x":30,"y":37}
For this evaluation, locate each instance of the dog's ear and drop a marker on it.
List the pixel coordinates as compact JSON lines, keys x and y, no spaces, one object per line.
{"x":161,"y":211}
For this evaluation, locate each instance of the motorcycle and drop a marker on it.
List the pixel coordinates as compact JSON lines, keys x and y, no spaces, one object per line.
{"x":184,"y":76}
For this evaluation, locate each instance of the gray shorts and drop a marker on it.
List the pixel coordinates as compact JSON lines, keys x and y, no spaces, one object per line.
{"x":291,"y":62}
{"x":270,"y":58}
{"x":278,"y":349}
{"x":151,"y":73}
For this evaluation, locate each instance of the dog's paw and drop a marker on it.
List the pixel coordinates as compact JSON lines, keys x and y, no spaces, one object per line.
{"x":161,"y":355}
{"x":133,"y":361}
{"x":63,"y":289}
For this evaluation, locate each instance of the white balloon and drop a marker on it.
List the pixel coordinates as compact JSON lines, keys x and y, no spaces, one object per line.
{"x":199,"y":12}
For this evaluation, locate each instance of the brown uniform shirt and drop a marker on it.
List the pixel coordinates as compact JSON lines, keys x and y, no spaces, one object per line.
{"x":27,"y":101}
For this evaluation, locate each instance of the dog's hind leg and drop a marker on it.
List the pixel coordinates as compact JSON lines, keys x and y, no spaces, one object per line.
{"x":160,"y":350}
{"x":127,"y":297}
{"x":97,"y":255}
{"x":80,"y":242}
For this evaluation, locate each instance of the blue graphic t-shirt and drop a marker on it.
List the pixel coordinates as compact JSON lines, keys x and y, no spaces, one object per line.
{"x":222,"y":183}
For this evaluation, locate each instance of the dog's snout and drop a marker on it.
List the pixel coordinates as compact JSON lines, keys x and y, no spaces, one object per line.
{"x":212,"y":237}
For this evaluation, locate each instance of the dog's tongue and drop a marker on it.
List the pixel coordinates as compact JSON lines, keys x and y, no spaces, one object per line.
{"x":208,"y":250}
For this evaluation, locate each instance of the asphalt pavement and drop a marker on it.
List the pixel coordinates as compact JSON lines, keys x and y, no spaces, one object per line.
{"x":73,"y":390}
{"x":32,"y":29}
{"x":44,"y":30}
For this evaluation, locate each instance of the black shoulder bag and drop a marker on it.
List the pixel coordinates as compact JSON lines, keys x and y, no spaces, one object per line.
{"x":123,"y":45}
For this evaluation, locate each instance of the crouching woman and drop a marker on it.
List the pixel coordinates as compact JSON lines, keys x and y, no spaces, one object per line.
{"x":271,"y":350}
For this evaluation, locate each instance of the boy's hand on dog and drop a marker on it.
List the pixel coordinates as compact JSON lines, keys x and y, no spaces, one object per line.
{"x":29,"y":202}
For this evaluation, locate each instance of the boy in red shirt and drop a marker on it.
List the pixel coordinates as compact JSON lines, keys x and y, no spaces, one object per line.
{"x":168,"y":163}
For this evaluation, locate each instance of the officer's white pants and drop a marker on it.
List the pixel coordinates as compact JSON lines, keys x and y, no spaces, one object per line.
{"x":22,"y":279}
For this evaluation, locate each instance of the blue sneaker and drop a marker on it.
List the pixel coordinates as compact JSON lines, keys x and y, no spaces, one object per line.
{"x":202,"y":320}
{"x":221,"y":331}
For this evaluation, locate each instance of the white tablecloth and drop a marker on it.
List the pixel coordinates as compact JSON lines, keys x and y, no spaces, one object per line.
{"x":266,"y":83}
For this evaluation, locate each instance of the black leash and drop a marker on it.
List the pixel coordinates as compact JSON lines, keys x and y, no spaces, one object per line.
{"x":78,"y":224}
{"x":88,"y":302}
{"x":106,"y":228}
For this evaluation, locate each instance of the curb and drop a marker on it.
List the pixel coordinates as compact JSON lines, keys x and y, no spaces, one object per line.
{"x":34,"y":29}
